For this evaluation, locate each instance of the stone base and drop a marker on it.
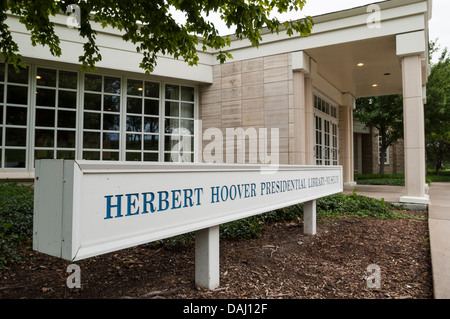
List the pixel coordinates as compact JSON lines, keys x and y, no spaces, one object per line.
{"x":415,"y":199}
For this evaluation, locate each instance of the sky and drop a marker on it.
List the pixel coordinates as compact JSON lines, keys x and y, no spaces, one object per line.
{"x":439,"y":26}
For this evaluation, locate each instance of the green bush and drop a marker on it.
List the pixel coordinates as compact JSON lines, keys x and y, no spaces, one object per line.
{"x":16,"y":220}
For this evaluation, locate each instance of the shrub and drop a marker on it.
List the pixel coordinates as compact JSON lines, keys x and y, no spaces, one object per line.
{"x":16,"y":220}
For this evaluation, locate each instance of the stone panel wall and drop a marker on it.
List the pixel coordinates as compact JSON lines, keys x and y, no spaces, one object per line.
{"x":255,"y":93}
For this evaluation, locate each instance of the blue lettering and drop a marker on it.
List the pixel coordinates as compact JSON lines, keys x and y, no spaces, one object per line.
{"x":176,"y":203}
{"x":161,"y":200}
{"x":215,"y":194}
{"x":131,"y":203}
{"x":117,"y":206}
{"x":222,"y":196}
{"x":197,"y":190}
{"x":233,"y":192}
{"x":188,"y":198}
{"x":148,"y":202}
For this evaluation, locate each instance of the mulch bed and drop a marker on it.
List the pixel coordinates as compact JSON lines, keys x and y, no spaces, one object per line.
{"x":282,"y":264}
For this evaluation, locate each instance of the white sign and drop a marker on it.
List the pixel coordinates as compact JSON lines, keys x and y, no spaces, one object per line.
{"x":86,"y":208}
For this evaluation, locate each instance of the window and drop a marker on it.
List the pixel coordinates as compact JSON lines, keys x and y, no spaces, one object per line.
{"x":142,"y":121}
{"x":101,"y":117}
{"x":55,"y":114}
{"x":178,"y":124}
{"x":52,"y":113}
{"x":14,"y":101}
{"x":326,"y":132}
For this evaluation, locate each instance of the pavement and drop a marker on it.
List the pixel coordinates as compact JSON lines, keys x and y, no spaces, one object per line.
{"x":438,"y":223}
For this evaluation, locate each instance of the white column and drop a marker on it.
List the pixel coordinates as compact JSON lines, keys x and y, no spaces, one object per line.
{"x":207,"y":264}
{"x":309,"y":217}
{"x":414,"y":130}
{"x":411,"y":48}
{"x":347,"y":139}
{"x":309,"y":121}
{"x":300,"y":69}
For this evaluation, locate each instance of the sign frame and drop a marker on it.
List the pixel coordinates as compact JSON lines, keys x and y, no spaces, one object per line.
{"x":60,"y":199}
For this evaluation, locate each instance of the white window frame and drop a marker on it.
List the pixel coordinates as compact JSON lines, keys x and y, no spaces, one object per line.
{"x":124,"y":76}
{"x":327,"y":112}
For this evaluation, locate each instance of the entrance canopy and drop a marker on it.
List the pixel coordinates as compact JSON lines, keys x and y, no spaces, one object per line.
{"x":372,"y":50}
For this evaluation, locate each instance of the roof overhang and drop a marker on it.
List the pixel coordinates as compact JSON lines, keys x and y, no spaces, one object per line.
{"x":341,"y":40}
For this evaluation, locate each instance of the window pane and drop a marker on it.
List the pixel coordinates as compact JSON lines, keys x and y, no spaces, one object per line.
{"x":43,"y":154}
{"x":91,"y":156}
{"x":187,"y":127}
{"x":172,"y":125}
{"x":151,"y":125}
{"x":134,"y":157}
{"x":44,"y":138}
{"x":16,"y":115}
{"x":68,"y":80}
{"x":67,"y":119}
{"x":151,"y":142}
{"x":151,"y":157}
{"x":112,"y":85}
{"x":111,"y":103}
{"x":151,"y":89}
{"x":2,"y":72}
{"x":134,"y":142}
{"x":17,"y":77}
{"x":2,"y":93}
{"x":110,"y":156}
{"x":93,"y":82}
{"x":187,"y":94}
{"x":111,"y":141}
{"x":66,"y":139}
{"x":172,"y":92}
{"x":92,"y":101}
{"x":151,"y":107}
{"x":134,"y":105}
{"x":17,"y":94}
{"x":111,"y":122}
{"x":45,"y":97}
{"x":172,"y":109}
{"x":92,"y":121}
{"x":65,"y":154}
{"x":134,"y":87}
{"x":67,"y":99}
{"x":134,"y":123}
{"x":91,"y":140}
{"x":187,"y":110}
{"x":46,"y":77}
{"x":15,"y":158}
{"x":45,"y":118}
{"x":171,"y":143}
{"x":16,"y":137}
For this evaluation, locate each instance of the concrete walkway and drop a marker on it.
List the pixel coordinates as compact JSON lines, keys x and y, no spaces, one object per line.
{"x":438,"y":223}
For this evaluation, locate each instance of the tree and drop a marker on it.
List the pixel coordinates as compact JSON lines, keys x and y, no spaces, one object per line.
{"x":150,"y":26}
{"x":385,"y":113}
{"x":437,"y":110}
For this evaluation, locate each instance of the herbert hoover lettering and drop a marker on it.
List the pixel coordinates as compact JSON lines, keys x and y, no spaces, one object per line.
{"x":120,"y":158}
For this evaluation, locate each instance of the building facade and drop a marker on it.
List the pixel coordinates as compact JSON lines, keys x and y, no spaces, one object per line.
{"x":303,"y":87}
